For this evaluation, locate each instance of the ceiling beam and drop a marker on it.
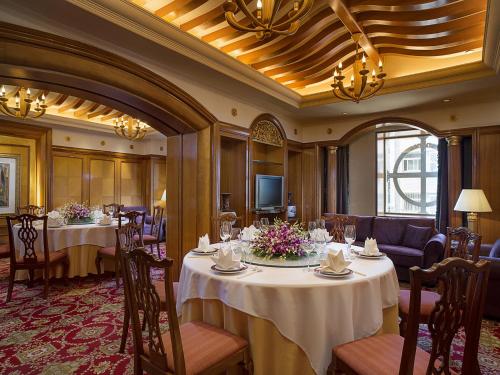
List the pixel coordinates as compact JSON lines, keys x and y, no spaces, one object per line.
{"x":75,"y":104}
{"x":349,"y":21}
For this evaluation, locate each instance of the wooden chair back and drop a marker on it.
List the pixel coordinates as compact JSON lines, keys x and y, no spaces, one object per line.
{"x":136,"y":217}
{"x":129,"y":237}
{"x":31,"y":209}
{"x":115,"y":207}
{"x":462,"y":243}
{"x":336,"y":224}
{"x":157,"y":222}
{"x":27,"y":234}
{"x":462,"y":286}
{"x":142,"y":293}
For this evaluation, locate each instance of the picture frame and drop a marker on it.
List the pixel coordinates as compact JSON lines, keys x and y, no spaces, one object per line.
{"x":9,"y":183}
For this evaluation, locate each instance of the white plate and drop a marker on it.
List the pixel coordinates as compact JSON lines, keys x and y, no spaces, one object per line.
{"x":376,"y":256}
{"x":199,"y":252}
{"x":333,"y":275}
{"x":242,"y":268}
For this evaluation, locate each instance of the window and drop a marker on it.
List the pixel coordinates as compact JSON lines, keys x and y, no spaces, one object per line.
{"x":406,"y":173}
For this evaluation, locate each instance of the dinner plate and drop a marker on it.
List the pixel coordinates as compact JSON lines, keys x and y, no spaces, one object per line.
{"x":377,"y":256}
{"x":333,"y":275}
{"x":242,"y":267}
{"x":199,"y":252}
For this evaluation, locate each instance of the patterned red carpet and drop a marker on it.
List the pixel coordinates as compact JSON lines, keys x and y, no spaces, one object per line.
{"x":77,"y":331}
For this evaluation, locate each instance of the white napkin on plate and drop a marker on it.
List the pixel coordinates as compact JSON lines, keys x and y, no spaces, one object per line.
{"x":320,"y":235}
{"x":334,"y":262}
{"x":105,"y":220}
{"x":54,"y":219}
{"x":226,"y":259}
{"x":204,"y":244}
{"x":370,"y":247}
{"x":249,"y":233}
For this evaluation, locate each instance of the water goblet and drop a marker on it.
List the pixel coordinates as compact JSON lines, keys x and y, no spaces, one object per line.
{"x":321,"y":224}
{"x":225,"y":231}
{"x":264,"y":221}
{"x":308,"y":249}
{"x":349,"y":237}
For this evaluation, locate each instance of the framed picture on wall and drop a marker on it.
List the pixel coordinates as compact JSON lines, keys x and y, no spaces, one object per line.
{"x":9,"y":184}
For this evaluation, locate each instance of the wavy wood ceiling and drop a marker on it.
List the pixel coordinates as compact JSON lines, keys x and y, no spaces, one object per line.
{"x":420,"y":29}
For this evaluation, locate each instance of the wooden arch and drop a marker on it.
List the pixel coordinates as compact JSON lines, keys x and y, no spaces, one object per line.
{"x":269,"y":118}
{"x":368,"y":125}
{"x":50,"y":62}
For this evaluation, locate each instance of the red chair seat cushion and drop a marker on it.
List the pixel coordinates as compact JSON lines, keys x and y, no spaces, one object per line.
{"x":379,"y":355}
{"x":107,"y":251}
{"x":203,"y":345}
{"x":427,"y":301}
{"x":4,"y":251}
{"x":149,"y":238}
{"x":54,"y":257}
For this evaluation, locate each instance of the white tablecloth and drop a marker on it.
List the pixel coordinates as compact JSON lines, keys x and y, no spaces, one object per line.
{"x":315,"y":313}
{"x":80,"y":242}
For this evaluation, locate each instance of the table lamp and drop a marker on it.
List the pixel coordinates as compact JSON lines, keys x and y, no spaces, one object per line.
{"x":472,"y":201}
{"x":163,"y":199}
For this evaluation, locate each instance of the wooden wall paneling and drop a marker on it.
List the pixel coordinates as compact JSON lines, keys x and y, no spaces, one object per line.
{"x":189,"y":192}
{"x":68,"y":172}
{"x":295,"y":177}
{"x":131,"y":183}
{"x":101,"y":181}
{"x":204,"y":183}
{"x":310,"y":183}
{"x":454,"y":178}
{"x":331,"y":183}
{"x":487,"y":177}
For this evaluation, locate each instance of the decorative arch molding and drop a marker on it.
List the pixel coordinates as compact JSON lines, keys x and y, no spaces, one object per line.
{"x":266,"y":128}
{"x":367,"y":126}
{"x":47,"y":61}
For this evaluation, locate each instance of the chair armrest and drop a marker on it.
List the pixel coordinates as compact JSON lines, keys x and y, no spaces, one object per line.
{"x":485,"y":250}
{"x":494,"y":267}
{"x":434,"y":250}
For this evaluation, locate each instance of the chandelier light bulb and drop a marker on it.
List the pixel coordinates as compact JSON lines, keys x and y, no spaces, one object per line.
{"x":363,"y":59}
{"x":340,"y":65}
{"x":259,"y":4}
{"x":2,"y":91}
{"x":380,"y":64}
{"x":28,"y":92}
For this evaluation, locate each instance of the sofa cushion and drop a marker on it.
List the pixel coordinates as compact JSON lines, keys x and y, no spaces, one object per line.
{"x":416,"y":237}
{"x":364,"y":226}
{"x":391,"y":230}
{"x":402,"y":255}
{"x":495,"y":250}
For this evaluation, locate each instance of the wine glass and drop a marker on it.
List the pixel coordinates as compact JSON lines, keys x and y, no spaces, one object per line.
{"x":264,"y":221}
{"x":308,"y":249}
{"x":257,"y":224}
{"x":349,"y":237}
{"x":225,"y":231}
{"x":321,"y":224}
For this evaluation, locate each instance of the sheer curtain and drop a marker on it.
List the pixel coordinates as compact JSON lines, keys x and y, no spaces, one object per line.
{"x":442,"y":187}
{"x":343,"y":179}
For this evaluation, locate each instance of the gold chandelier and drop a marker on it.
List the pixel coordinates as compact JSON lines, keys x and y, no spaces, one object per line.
{"x":262,"y":21}
{"x":130,"y":128}
{"x":359,"y":88}
{"x":22,"y":104}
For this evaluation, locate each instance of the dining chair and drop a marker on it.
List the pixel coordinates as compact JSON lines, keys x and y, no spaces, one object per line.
{"x":31,"y":209}
{"x":189,"y":348}
{"x":136,"y":217}
{"x":462,"y":290}
{"x":336,"y":224}
{"x":154,"y":237}
{"x":115,"y":207}
{"x":31,"y":260}
{"x":125,"y":238}
{"x":113,"y":253}
{"x":4,"y":250}
{"x":458,"y":243}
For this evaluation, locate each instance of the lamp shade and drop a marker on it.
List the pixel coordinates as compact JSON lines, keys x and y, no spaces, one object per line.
{"x":164,"y":196}
{"x":472,"y":200}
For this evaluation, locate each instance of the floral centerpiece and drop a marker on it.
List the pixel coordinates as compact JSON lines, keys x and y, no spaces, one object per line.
{"x":76,"y":213}
{"x":280,"y":240}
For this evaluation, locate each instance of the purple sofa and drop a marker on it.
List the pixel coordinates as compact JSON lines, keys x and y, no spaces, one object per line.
{"x":407,"y":241}
{"x":492,"y":254}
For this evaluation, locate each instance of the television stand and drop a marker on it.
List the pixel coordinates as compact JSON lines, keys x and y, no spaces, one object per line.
{"x":273,"y":211}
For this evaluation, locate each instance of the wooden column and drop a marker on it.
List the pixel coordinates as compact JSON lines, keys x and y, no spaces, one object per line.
{"x":331,"y":175}
{"x":454,"y":178}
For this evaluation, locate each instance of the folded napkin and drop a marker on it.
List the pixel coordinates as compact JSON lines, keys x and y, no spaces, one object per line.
{"x":249,"y":233}
{"x":105,"y":220}
{"x":334,"y":262}
{"x":226,"y":259}
{"x":370,"y":247}
{"x":320,"y":235}
{"x":97,"y":214}
{"x":204,"y":243}
{"x":54,"y":219}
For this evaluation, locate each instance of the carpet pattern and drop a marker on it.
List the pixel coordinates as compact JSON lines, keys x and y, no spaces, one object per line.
{"x":77,"y":330}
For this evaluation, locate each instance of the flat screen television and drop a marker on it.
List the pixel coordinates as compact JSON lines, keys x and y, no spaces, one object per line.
{"x":268,"y":191}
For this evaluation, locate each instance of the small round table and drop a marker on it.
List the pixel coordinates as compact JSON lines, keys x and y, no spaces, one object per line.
{"x":292,"y":318}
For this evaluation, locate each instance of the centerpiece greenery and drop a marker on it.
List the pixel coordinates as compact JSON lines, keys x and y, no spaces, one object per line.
{"x":76,"y":213}
{"x":280,"y":240}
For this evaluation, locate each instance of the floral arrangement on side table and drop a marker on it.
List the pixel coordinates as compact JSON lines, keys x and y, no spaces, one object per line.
{"x":76,"y":213}
{"x":280,"y":240}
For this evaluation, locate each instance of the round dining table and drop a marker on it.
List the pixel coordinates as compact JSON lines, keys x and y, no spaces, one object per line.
{"x":80,"y":242}
{"x":292,"y":318}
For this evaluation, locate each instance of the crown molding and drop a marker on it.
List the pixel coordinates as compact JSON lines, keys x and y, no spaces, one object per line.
{"x":439,"y":77}
{"x":133,"y":18}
